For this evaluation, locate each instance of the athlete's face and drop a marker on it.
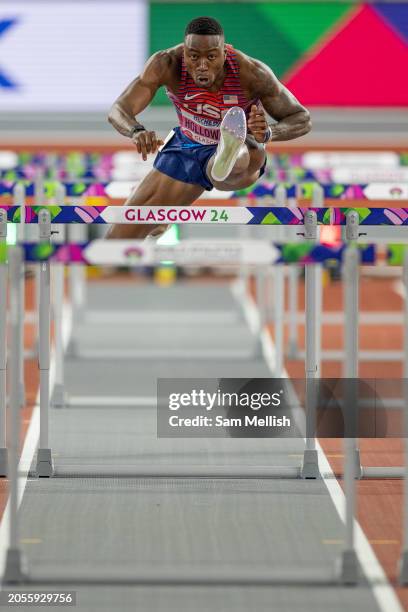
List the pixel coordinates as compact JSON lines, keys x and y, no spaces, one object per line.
{"x":204,"y":57}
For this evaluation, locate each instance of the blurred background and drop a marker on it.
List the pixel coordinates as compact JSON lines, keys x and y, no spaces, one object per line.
{"x":62,"y":64}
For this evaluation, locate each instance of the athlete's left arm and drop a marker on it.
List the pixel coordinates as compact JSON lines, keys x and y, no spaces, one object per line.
{"x":293,"y":119}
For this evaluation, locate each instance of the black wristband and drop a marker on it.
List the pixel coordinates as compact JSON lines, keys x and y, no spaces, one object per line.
{"x":137,"y":128}
{"x":268,"y":135}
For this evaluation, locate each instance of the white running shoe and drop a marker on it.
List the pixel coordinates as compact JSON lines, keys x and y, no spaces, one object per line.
{"x":233,"y":131}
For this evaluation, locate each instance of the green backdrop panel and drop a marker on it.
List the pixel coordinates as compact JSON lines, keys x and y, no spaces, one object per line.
{"x":304,"y":23}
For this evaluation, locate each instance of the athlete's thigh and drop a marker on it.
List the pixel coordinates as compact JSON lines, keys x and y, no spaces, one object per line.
{"x":159,"y":189}
{"x":156,"y":189}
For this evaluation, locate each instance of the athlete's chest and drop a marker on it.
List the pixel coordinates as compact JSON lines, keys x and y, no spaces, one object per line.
{"x":200,"y":102}
{"x":213,"y":106}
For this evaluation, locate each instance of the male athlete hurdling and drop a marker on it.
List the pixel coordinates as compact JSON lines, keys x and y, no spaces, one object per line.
{"x":221,"y":96}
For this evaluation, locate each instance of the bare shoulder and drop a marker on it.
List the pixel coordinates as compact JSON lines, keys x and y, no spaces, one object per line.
{"x":164,"y":65}
{"x":256,"y":77}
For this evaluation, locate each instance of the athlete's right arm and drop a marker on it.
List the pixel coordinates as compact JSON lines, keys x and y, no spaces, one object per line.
{"x":137,"y":97}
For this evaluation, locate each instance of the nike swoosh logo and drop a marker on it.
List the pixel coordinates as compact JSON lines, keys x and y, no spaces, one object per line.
{"x":187,"y":97}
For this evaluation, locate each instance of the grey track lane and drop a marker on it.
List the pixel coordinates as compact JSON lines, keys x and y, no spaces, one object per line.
{"x":98,"y":524}
{"x":210,"y":297}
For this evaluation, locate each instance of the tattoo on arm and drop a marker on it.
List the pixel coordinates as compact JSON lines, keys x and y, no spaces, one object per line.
{"x":293,"y":120}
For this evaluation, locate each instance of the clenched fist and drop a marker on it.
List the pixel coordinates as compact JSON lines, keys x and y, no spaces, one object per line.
{"x":146,"y":142}
{"x":257,"y":123}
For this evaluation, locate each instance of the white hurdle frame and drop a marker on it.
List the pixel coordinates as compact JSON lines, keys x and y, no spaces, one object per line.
{"x":14,"y":572}
{"x":310,"y":468}
{"x":3,"y":348}
{"x":19,"y":200}
{"x":403,"y":564}
{"x":58,"y":399}
{"x":45,"y":467}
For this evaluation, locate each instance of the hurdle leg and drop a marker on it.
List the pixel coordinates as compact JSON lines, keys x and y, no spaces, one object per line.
{"x":77,"y":291}
{"x":351,"y":318}
{"x":44,"y":459}
{"x":279,"y":291}
{"x":19,"y":200}
{"x":403,"y":565}
{"x":293,"y":280}
{"x":310,"y":468}
{"x":14,"y":572}
{"x":39,"y":200}
{"x":279,"y":299}
{"x":352,"y":468}
{"x":260,"y":293}
{"x":349,"y":563}
{"x":59,"y":398}
{"x":3,"y":347}
{"x":244,"y":232}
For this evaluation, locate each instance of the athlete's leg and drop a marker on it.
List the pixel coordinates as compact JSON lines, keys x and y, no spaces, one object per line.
{"x":238,"y":157}
{"x":246,"y":169}
{"x":155,"y":189}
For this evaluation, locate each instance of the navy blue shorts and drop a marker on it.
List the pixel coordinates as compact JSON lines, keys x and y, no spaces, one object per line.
{"x":186,"y":160}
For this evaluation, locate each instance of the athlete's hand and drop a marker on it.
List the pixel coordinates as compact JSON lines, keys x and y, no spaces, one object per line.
{"x":146,"y":142}
{"x":257,"y":123}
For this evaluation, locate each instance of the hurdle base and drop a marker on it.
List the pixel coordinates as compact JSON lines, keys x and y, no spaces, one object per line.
{"x":59,"y":398}
{"x":45,"y":467}
{"x":3,"y":462}
{"x":403,"y":569}
{"x":189,"y":575}
{"x":176,"y":471}
{"x":378,"y":472}
{"x":349,"y":568}
{"x":15,"y":569}
{"x":310,"y":468}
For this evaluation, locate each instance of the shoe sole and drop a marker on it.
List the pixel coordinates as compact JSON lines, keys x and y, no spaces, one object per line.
{"x":232,"y":136}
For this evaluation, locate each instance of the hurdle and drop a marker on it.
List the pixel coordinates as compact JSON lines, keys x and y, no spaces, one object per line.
{"x":16,"y":572}
{"x":84,"y":189}
{"x":66,"y":214}
{"x":389,"y":216}
{"x":348,"y":574}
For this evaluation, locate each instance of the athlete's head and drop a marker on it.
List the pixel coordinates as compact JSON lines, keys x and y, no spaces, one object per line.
{"x":204,"y":50}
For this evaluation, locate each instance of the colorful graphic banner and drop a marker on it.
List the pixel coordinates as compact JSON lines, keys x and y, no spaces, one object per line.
{"x":237,"y":215}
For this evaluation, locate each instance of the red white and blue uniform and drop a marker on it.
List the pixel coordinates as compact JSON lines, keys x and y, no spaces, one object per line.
{"x":189,"y":147}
